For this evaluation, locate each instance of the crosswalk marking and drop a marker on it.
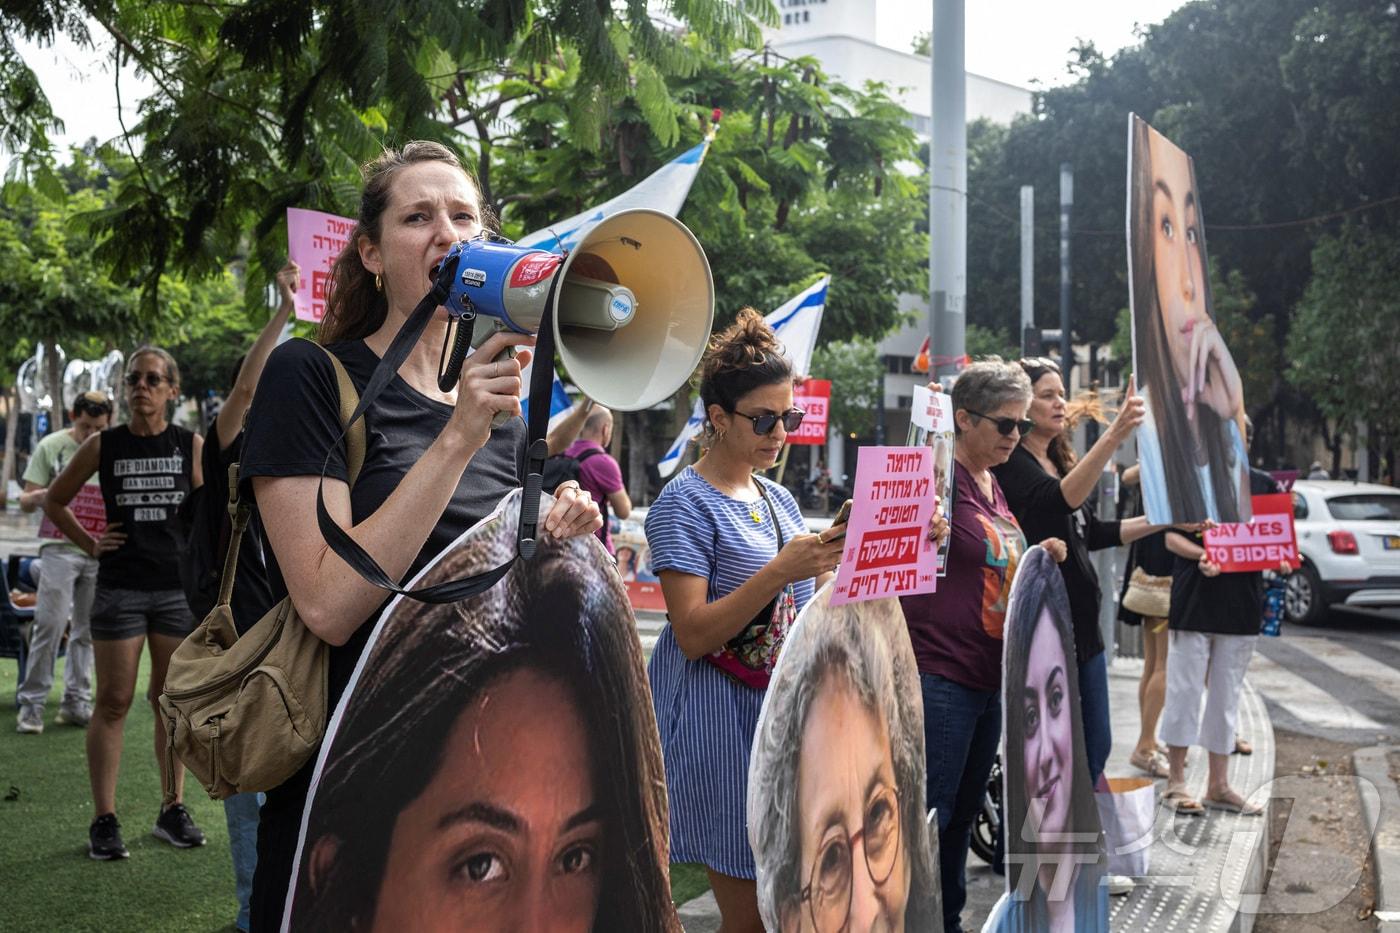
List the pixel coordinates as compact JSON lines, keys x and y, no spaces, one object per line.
{"x":648,"y":631}
{"x":1351,"y":663}
{"x":1303,"y":700}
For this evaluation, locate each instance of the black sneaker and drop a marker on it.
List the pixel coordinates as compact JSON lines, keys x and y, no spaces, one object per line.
{"x":176,"y":827}
{"x":105,"y":839}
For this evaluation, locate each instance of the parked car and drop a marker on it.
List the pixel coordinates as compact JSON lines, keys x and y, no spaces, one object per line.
{"x":1349,"y":537}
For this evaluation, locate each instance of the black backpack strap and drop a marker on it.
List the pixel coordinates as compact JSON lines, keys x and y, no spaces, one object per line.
{"x":590,"y":452}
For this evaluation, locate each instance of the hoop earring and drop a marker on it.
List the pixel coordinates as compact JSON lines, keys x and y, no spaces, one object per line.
{"x":378,"y":283}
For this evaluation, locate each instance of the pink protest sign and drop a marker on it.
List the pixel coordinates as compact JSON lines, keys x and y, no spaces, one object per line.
{"x":1259,"y":544}
{"x":888,"y":552}
{"x":314,"y":240}
{"x":89,"y":509}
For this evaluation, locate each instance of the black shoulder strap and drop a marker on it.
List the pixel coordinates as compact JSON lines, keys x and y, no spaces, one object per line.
{"x":590,"y":452}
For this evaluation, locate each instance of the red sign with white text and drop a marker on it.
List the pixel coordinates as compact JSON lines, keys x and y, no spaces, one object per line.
{"x":1259,"y":544}
{"x":814,"y":397}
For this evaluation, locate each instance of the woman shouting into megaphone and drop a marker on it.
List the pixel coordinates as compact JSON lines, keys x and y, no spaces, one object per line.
{"x":433,"y":466}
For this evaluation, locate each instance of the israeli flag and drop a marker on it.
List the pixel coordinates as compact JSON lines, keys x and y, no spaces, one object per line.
{"x":796,"y":324}
{"x":559,"y":404}
{"x":663,"y":190}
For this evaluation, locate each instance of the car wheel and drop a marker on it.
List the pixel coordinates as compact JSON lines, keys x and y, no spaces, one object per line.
{"x":1302,"y":596}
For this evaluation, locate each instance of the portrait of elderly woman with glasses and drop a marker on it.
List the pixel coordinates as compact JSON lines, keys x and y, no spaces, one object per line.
{"x":836,"y":783}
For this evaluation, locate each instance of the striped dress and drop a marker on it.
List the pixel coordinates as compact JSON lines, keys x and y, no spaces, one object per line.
{"x":707,"y":720}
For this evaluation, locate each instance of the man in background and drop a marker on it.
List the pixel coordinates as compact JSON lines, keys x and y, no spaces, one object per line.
{"x":599,"y":474}
{"x":67,"y":578}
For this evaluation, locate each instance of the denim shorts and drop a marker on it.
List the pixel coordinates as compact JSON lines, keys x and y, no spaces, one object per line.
{"x":121,"y":614}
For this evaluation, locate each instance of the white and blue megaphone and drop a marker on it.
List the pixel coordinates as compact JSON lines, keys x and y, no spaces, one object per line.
{"x":633,"y":305}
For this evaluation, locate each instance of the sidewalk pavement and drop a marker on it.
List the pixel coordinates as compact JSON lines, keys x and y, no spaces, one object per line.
{"x":1202,"y":867}
{"x":1377,"y":771}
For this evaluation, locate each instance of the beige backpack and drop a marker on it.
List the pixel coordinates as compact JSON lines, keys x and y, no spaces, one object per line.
{"x":244,"y":714}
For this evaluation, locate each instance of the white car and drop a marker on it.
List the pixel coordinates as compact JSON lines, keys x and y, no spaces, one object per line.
{"x":1349,"y":536}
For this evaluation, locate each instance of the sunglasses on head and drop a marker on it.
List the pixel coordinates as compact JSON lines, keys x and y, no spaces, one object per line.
{"x":1005,"y":425}
{"x":93,"y":408}
{"x":765,"y":423}
{"x":152,"y":379}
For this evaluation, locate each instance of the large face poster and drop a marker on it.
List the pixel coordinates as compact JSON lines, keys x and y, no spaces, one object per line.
{"x":1054,"y":866}
{"x":931,"y":423}
{"x":494,"y":763}
{"x":1191,"y":446}
{"x":836,"y":777}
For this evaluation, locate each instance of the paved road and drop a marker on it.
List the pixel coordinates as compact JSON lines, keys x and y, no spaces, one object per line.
{"x":1338,"y":681}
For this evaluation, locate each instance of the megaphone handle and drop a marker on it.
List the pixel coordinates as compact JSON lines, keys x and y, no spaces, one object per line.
{"x":454,"y":352}
{"x":501,"y":417}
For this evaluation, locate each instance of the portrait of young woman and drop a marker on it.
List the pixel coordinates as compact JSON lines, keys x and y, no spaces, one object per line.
{"x":1054,"y":865}
{"x":495,"y":764}
{"x":1191,"y":445}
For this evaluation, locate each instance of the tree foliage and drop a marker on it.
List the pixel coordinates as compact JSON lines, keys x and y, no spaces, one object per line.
{"x":1341,"y":347}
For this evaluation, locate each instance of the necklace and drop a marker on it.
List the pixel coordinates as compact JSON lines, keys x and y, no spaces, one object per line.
{"x":755,"y":512}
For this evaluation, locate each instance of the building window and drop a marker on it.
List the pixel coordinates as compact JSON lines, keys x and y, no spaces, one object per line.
{"x":806,"y":16}
{"x":787,"y":19}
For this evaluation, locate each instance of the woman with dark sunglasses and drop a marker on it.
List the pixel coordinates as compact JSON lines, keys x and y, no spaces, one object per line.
{"x":957,"y":631}
{"x":1047,"y":487}
{"x":729,"y":546}
{"x":145,"y":467}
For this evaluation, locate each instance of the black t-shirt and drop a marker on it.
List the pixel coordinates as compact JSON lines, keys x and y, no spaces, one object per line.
{"x":294,"y":420}
{"x":1226,"y":604}
{"x":1040,"y":508}
{"x":144,"y":480}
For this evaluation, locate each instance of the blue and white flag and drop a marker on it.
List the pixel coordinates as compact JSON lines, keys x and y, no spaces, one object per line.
{"x":663,"y":190}
{"x":559,"y":404}
{"x":796,"y":324}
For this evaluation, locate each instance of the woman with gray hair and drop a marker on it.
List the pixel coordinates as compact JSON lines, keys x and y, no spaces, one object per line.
{"x":839,"y":757}
{"x":956,"y":632}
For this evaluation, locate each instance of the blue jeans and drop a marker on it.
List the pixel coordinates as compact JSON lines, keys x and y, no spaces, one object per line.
{"x":962,"y":729}
{"x":1093,"y":709}
{"x":241,"y":814}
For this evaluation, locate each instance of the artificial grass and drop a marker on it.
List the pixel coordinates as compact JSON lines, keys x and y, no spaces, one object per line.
{"x":50,"y":884}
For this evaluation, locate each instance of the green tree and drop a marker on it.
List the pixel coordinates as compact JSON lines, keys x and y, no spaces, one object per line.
{"x":856,"y":373}
{"x":1341,"y":346}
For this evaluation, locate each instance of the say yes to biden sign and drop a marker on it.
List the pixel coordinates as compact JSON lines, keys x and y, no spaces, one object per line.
{"x":1259,"y":544}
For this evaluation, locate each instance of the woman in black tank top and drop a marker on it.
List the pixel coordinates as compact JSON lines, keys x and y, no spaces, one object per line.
{"x":146,"y":467}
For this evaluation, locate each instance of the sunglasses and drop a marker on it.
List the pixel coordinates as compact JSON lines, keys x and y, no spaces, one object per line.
{"x":1005,"y":425}
{"x":152,"y":379}
{"x":765,"y":423}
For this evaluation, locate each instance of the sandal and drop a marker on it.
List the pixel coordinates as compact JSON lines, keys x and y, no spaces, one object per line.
{"x":1179,"y":800}
{"x":1238,"y":805}
{"x":1242,"y":747}
{"x":1153,"y":764}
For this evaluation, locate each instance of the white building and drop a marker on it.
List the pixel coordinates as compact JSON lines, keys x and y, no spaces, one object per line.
{"x":841,"y":35}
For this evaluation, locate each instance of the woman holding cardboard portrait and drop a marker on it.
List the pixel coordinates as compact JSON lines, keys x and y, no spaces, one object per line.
{"x":736,"y":565}
{"x":957,"y":631}
{"x":433,"y":465}
{"x":1048,"y":488}
{"x":1213,"y":626}
{"x":1193,"y":438}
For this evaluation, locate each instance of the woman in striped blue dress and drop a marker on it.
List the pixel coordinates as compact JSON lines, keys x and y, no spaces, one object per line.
{"x":714,"y":535}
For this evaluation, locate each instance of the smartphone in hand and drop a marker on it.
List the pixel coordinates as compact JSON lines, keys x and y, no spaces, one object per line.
{"x":843,"y":515}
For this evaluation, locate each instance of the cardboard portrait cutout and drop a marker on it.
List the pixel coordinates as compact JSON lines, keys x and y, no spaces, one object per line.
{"x":493,"y":756}
{"x":1054,"y":860}
{"x":1191,"y":446}
{"x":931,"y":423}
{"x":839,"y":751}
